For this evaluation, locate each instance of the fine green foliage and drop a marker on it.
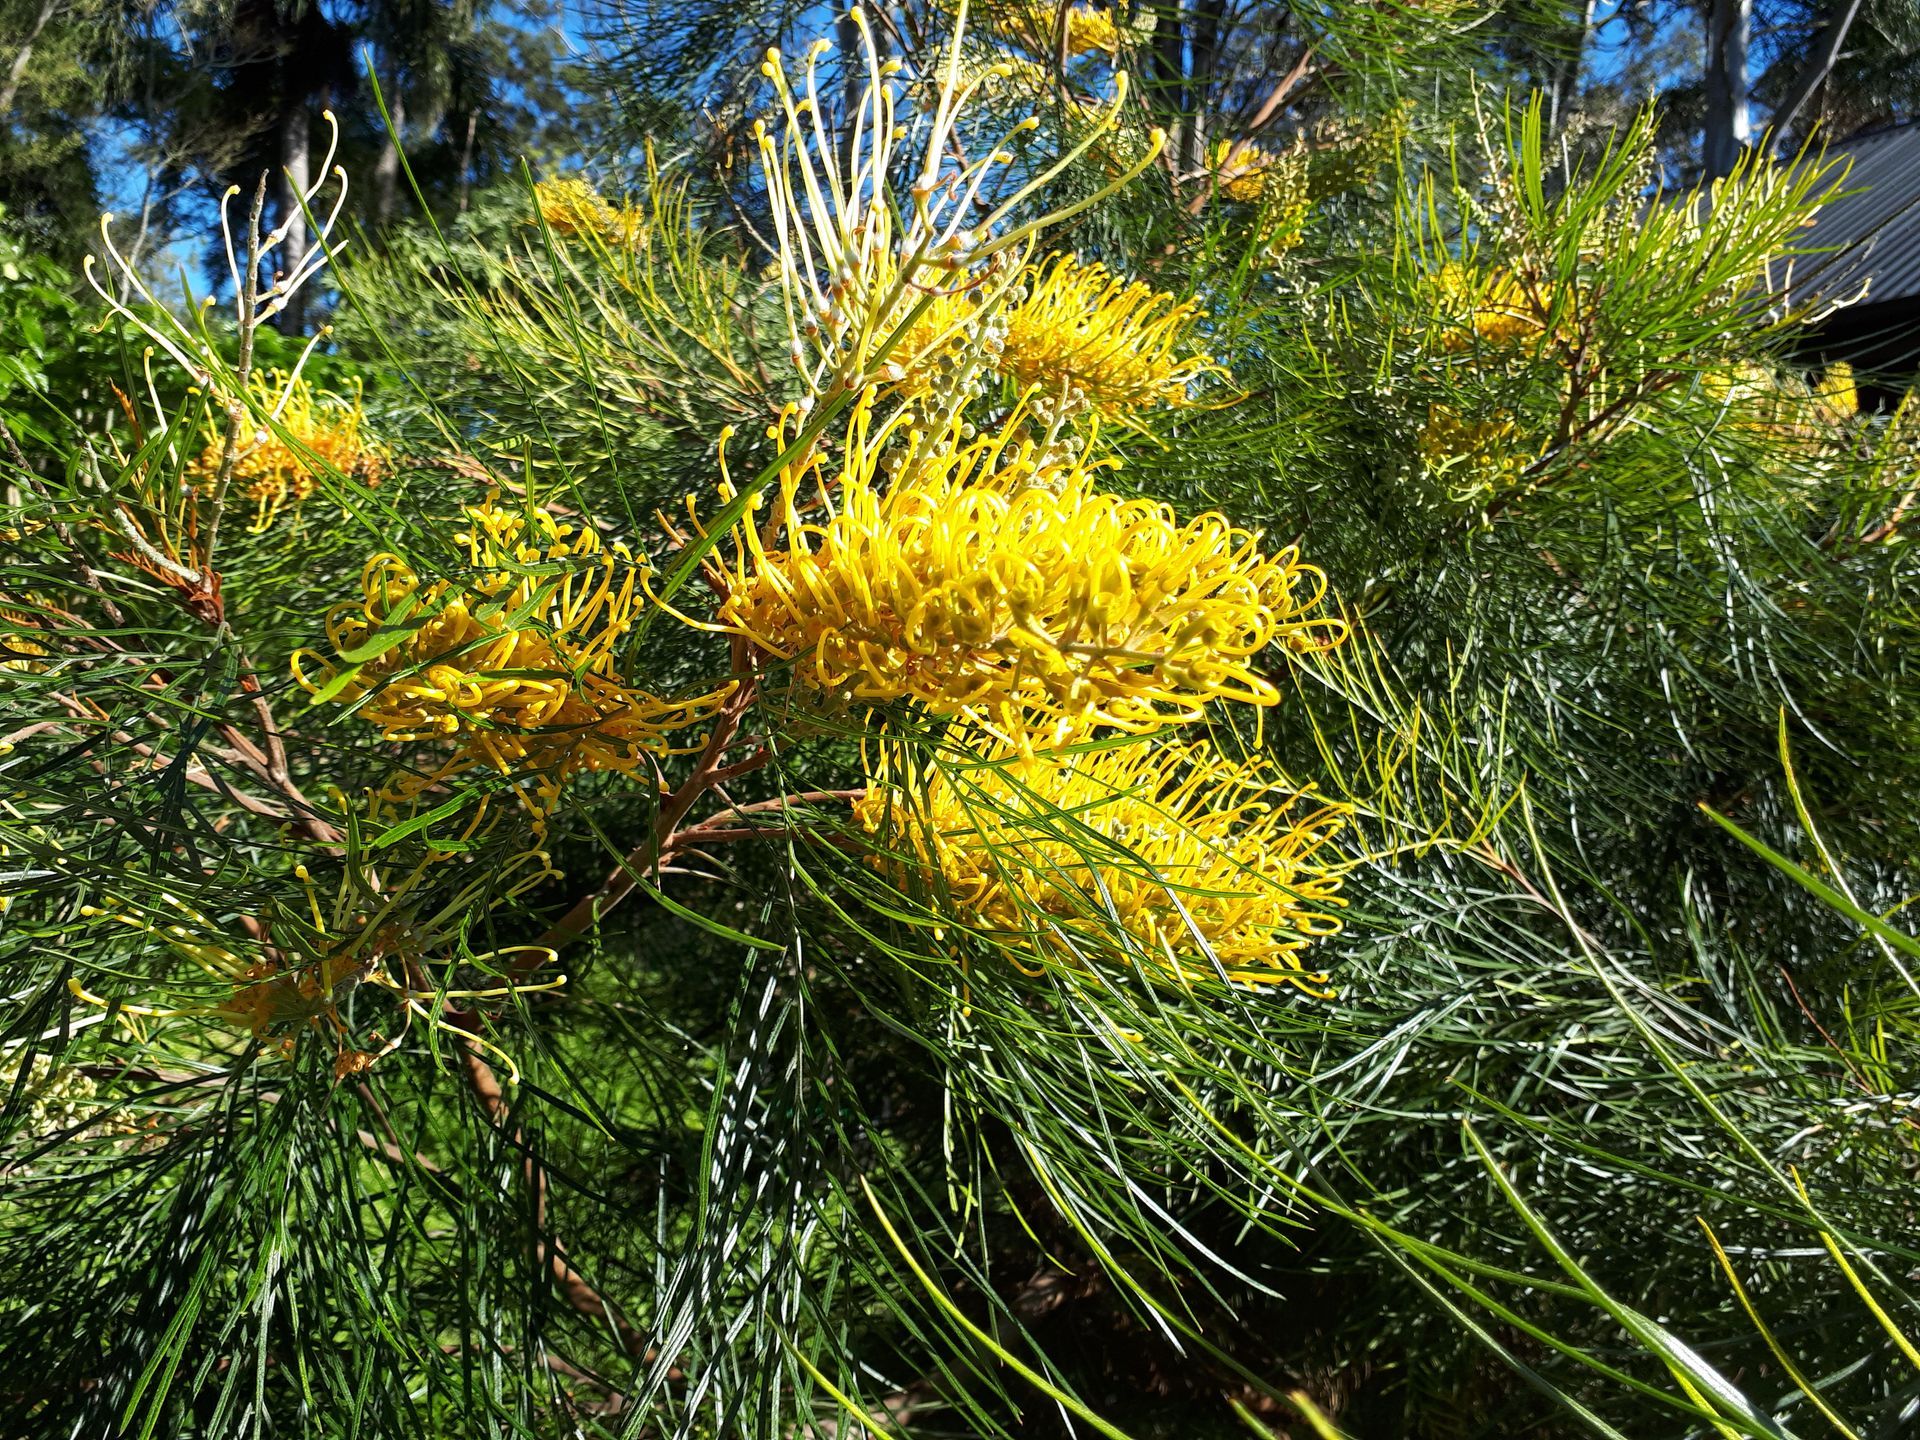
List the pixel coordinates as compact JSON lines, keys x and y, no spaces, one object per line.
{"x":746,"y":841}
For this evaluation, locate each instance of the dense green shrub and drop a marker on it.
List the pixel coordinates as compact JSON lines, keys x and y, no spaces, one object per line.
{"x":1056,"y":969}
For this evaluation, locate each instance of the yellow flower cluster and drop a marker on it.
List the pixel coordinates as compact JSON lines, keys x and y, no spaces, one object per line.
{"x":1088,"y":30}
{"x":1836,"y":394}
{"x":1278,"y":184}
{"x":991,"y":579}
{"x":1785,"y":405}
{"x":515,"y":664}
{"x":931,"y":344}
{"x":311,"y":431}
{"x":1502,"y":310}
{"x":1249,"y":174}
{"x":1168,"y":855}
{"x":573,"y":207}
{"x":1476,"y":456}
{"x":1108,"y":346}
{"x":18,"y":651}
{"x":1120,"y":344}
{"x":51,"y":1098}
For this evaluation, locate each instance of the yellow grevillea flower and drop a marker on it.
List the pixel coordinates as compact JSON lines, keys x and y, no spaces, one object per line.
{"x":573,"y":207}
{"x":954,"y":322}
{"x":989,"y":578}
{"x":1120,"y":344}
{"x":1280,"y":184}
{"x":1088,"y":29}
{"x":21,"y":631}
{"x":276,"y":464}
{"x":1503,"y":310}
{"x":1474,"y":455}
{"x":1836,"y":393}
{"x":514,"y":664}
{"x":52,"y":1098}
{"x":1109,"y":346}
{"x":1250,"y":174}
{"x":1159,"y":854}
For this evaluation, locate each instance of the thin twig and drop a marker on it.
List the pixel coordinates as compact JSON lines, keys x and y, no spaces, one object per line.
{"x":61,"y":529}
{"x":620,"y":882}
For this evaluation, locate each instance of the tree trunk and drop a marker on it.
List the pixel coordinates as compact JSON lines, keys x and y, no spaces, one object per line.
{"x":296,"y":136}
{"x":386,"y":169}
{"x":1193,"y":125}
{"x":1729,"y":24}
{"x":18,"y":70}
{"x":1168,"y":69}
{"x":1823,"y":55}
{"x":466,"y":159}
{"x":1566,"y":73}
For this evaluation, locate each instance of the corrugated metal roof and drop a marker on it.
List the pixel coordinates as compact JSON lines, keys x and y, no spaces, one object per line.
{"x":1876,"y":233}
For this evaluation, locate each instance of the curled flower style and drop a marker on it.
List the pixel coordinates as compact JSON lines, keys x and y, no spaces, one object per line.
{"x":1167,"y":855}
{"x":860,"y":263}
{"x":993,"y":578}
{"x":515,"y":664}
{"x":311,"y":430}
{"x":571,"y":206}
{"x":1119,"y":345}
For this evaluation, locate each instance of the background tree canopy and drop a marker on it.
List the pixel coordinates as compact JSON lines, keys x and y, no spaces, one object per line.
{"x":723,"y":720}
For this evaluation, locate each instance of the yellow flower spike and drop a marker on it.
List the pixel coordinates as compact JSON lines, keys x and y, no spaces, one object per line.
{"x":1121,"y":344}
{"x":1088,"y":30}
{"x":17,"y":651}
{"x":1836,"y":395}
{"x":1501,"y":309}
{"x":572,"y":207}
{"x":515,"y":665}
{"x":989,"y":577}
{"x":310,"y":430}
{"x":1476,"y":456}
{"x":1249,"y":174}
{"x":1157,"y":855}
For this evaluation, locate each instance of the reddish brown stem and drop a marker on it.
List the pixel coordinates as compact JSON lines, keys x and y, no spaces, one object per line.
{"x":621,"y":880}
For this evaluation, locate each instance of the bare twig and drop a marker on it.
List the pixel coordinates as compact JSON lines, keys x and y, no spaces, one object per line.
{"x":621,"y":880}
